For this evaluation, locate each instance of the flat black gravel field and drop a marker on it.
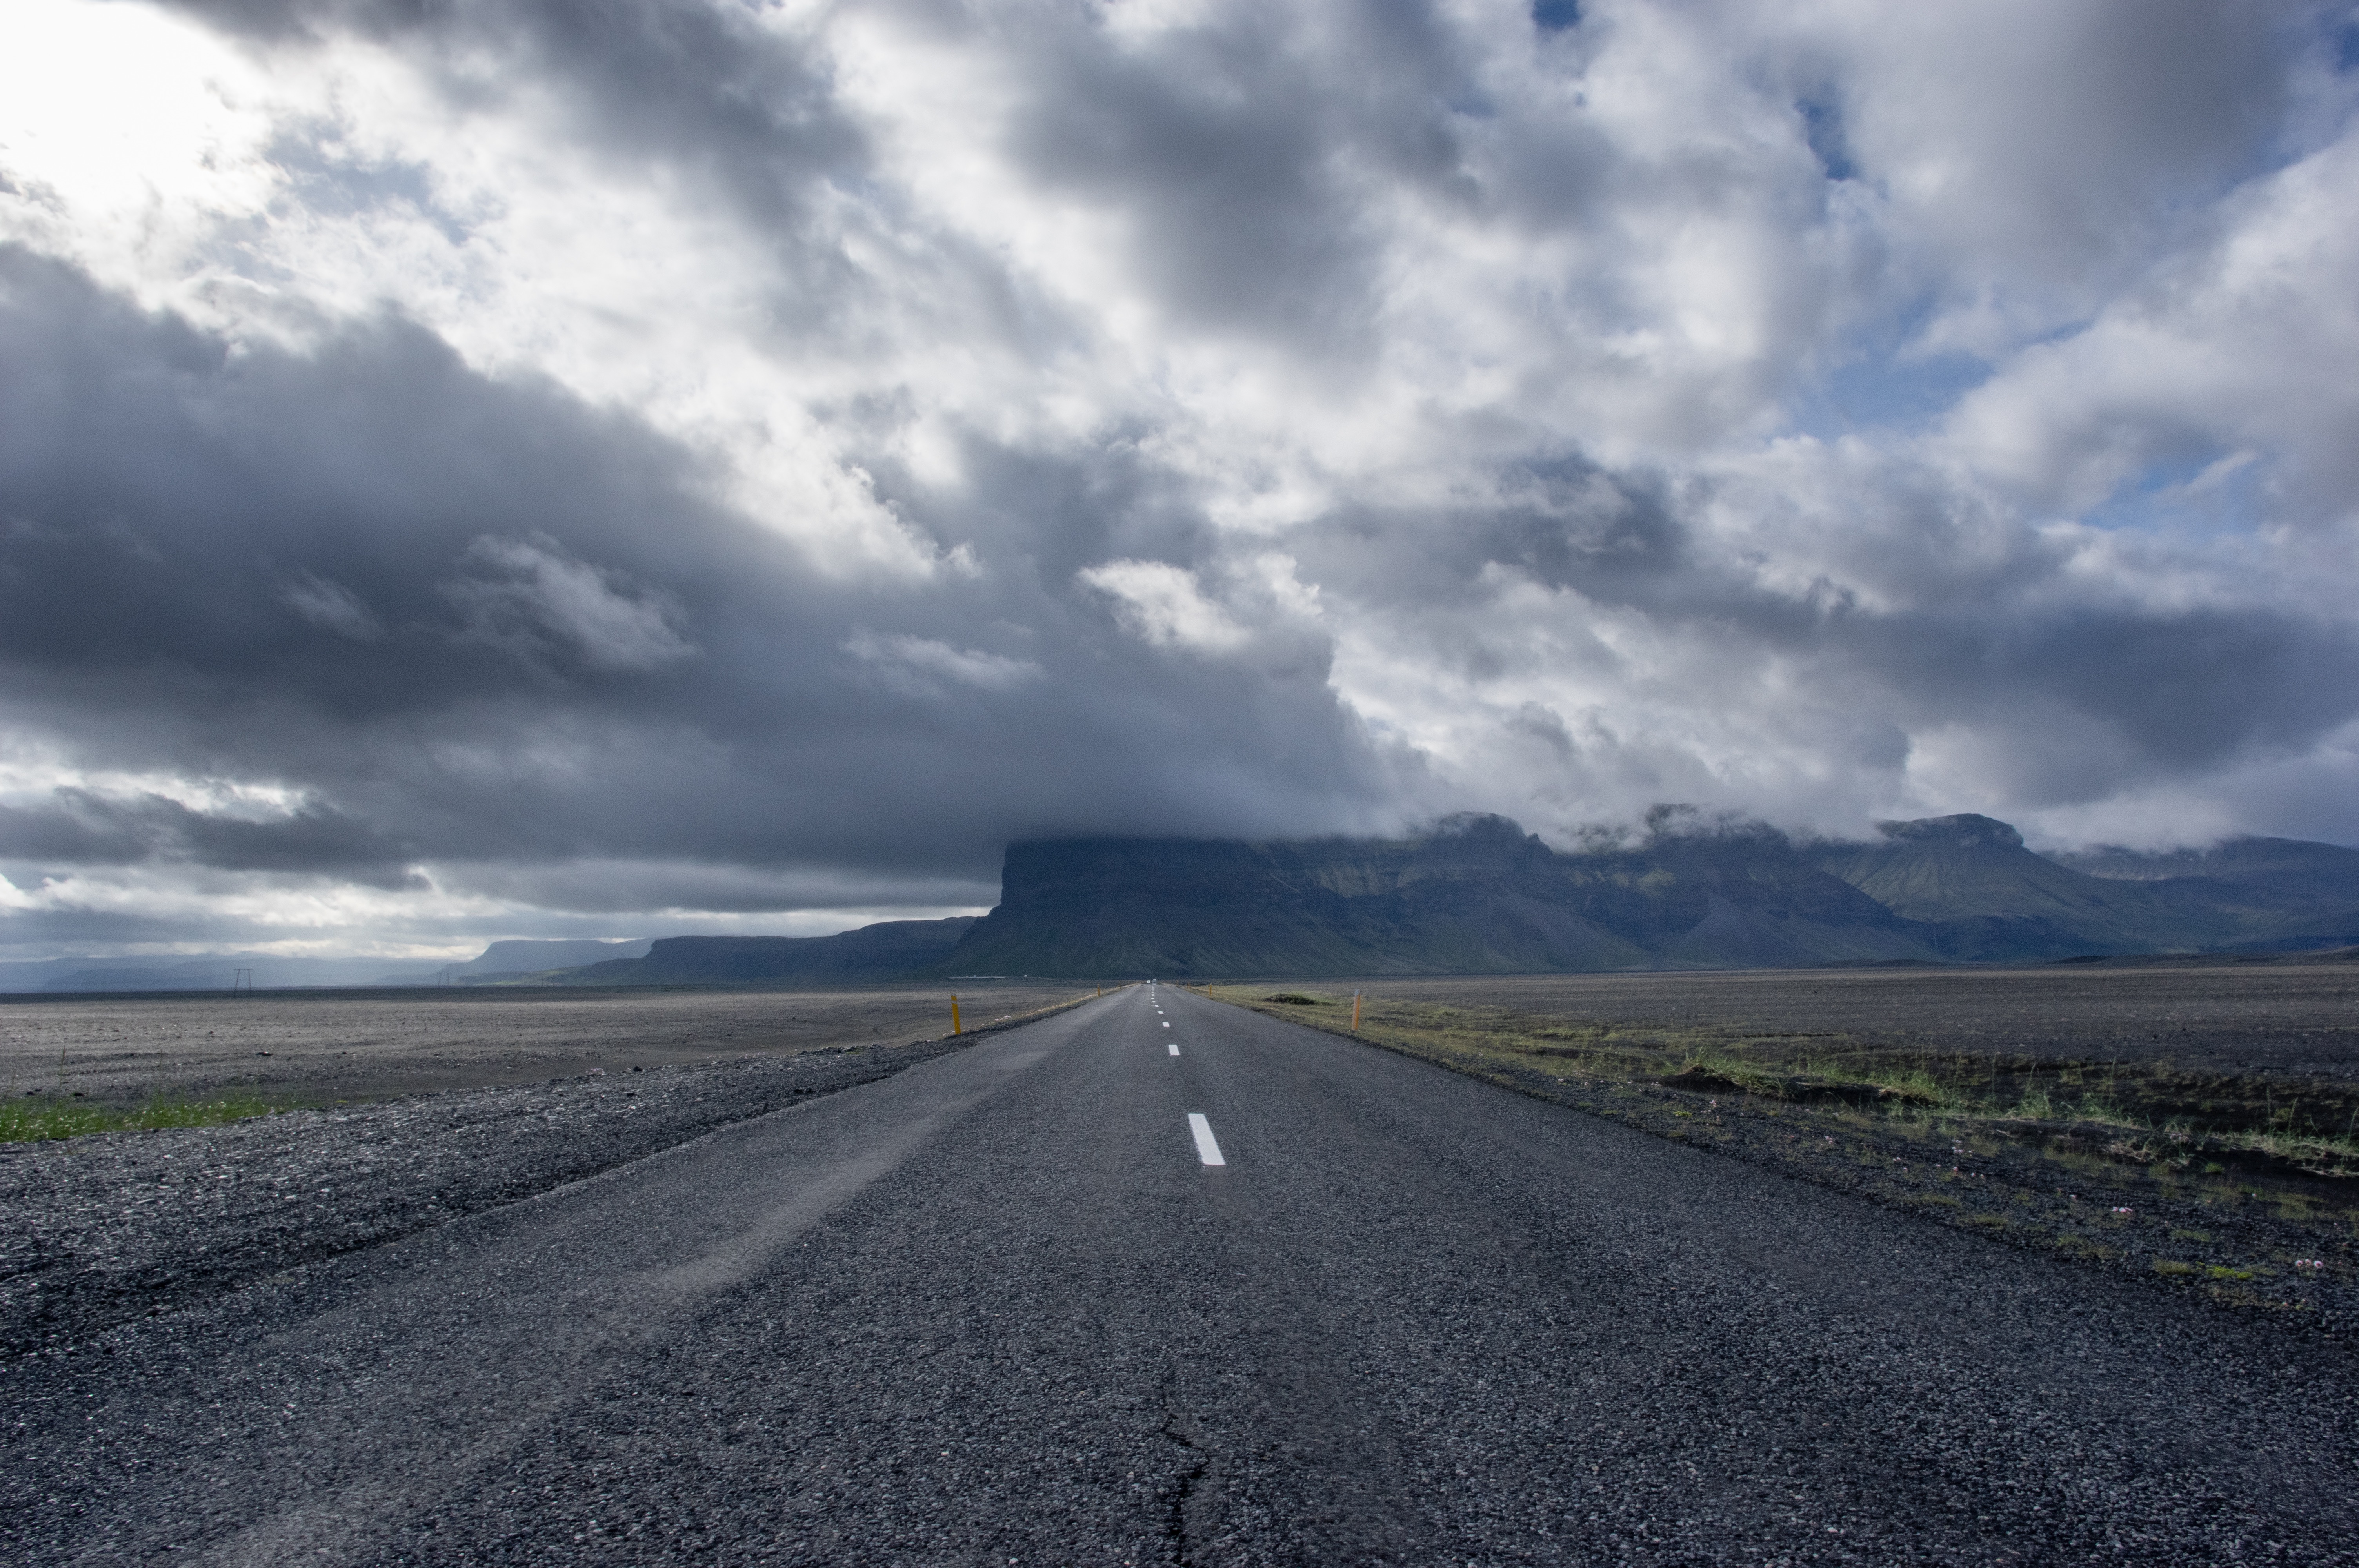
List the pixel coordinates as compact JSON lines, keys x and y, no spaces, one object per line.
{"x":2291,"y":1016}
{"x":1156,"y":1280}
{"x":325,"y":1047}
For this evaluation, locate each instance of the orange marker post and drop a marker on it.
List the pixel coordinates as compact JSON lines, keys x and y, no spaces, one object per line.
{"x":1355,"y":1012}
{"x":954,"y":1022}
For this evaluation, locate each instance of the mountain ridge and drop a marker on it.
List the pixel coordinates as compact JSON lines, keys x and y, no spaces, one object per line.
{"x":1478,"y":895}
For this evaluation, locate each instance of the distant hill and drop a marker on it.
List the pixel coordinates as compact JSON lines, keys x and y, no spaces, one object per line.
{"x":206,"y":971}
{"x":220,"y":971}
{"x":1478,"y":895}
{"x":1992,"y":898}
{"x":523,"y":956}
{"x":889,"y":950}
{"x":1989,"y":897}
{"x":2282,"y":865}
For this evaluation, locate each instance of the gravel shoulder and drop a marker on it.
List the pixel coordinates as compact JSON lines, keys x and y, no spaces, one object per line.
{"x":113,"y":1227}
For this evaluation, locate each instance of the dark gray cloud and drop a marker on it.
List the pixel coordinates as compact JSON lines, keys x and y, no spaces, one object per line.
{"x":81,"y":827}
{"x":1239,"y":168}
{"x":488,"y":621}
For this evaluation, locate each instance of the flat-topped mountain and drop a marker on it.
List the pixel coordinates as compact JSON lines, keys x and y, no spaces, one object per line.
{"x":1479,"y":896}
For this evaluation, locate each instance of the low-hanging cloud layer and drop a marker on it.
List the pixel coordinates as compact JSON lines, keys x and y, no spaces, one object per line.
{"x":508,"y":467}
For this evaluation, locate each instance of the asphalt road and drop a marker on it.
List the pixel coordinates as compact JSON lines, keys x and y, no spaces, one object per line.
{"x":998,"y":1309}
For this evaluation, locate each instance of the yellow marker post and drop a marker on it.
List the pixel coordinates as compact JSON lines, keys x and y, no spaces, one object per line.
{"x":954,"y":1022}
{"x":1355,"y":1012}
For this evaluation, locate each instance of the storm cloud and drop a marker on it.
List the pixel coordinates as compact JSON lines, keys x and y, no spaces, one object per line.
{"x":510,"y":469}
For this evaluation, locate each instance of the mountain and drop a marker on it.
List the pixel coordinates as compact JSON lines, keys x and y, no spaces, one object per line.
{"x":1474,"y":895}
{"x":1986,"y":896}
{"x":518,"y":957}
{"x":2281,"y":865}
{"x":1477,"y":895}
{"x":890,"y":950}
{"x":206,"y":971}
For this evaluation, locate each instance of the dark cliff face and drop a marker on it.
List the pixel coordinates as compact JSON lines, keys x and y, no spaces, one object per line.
{"x":1967,"y":830}
{"x":1477,"y":895}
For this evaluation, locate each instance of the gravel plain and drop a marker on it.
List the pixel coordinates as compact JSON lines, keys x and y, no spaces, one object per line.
{"x":2292,"y":1017}
{"x":324,"y":1046}
{"x":112,"y":1227}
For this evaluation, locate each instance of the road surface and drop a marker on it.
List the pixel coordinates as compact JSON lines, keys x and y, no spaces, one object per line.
{"x":1161,"y":1281}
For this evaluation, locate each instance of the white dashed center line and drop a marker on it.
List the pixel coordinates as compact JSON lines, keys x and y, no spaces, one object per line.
{"x":1175,"y":1047}
{"x":1207,"y":1150}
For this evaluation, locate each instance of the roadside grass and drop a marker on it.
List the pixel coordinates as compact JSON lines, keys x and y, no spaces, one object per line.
{"x":2188,"y":1175}
{"x":38,"y":1119}
{"x":2146,"y":1114}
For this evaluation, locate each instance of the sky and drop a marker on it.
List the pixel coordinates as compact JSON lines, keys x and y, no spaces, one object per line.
{"x":509,"y":468}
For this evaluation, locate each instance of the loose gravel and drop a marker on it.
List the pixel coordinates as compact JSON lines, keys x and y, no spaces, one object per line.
{"x":2296,"y":1017}
{"x":105,"y":1229}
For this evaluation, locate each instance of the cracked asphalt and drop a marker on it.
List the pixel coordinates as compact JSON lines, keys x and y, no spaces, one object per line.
{"x":994,"y":1309}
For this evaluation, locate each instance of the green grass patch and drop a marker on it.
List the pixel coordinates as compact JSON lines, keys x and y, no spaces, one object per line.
{"x":33,"y":1120}
{"x":2081,"y":1247}
{"x":2152,"y":1116}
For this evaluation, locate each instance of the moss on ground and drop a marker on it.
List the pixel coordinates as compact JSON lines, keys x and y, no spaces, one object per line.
{"x":37,"y":1119}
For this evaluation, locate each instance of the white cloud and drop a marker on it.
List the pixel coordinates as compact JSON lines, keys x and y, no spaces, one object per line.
{"x":1163,"y":604}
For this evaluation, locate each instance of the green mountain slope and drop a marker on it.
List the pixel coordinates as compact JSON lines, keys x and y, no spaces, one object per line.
{"x":1973,"y":874}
